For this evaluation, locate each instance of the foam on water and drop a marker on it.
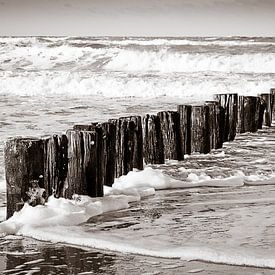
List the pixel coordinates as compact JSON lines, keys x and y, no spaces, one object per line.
{"x":185,"y":42}
{"x":135,"y":67}
{"x":126,"y":189}
{"x":165,"y":61}
{"x":59,"y":220}
{"x":217,"y":255}
{"x":117,"y":84}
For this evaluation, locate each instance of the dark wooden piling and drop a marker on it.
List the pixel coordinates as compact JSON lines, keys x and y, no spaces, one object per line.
{"x":170,"y":128}
{"x":266,"y":101}
{"x":272,"y":92}
{"x":138,"y":144}
{"x":230,"y":104}
{"x":85,"y":168}
{"x":262,"y":112}
{"x":200,"y":129}
{"x":109,"y":144}
{"x":185,"y":128}
{"x":129,"y":144}
{"x":109,"y":147}
{"x":216,"y":123}
{"x":153,"y":148}
{"x":56,"y":165}
{"x":248,"y":114}
{"x":24,"y":168}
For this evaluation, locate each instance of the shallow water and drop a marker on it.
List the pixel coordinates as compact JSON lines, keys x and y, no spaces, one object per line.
{"x":233,"y":225}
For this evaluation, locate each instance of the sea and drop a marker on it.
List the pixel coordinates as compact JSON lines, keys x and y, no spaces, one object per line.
{"x":207,"y":214}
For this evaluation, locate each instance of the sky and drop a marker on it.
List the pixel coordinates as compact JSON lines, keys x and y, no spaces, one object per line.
{"x":137,"y":18}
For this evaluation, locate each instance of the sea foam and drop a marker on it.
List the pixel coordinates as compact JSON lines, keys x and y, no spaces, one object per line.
{"x":132,"y":187}
{"x":60,"y":219}
{"x":143,"y":68}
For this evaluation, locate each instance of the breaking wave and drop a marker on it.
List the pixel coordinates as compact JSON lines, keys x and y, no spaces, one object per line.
{"x":166,"y":62}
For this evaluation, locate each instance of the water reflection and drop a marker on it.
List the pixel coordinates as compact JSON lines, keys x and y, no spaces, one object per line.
{"x":24,"y":255}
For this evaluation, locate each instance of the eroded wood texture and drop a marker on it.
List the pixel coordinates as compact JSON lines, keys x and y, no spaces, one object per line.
{"x":229,"y":102}
{"x":248,"y":114}
{"x":266,"y":108}
{"x":200,"y":129}
{"x":109,"y":147}
{"x":261,"y":112}
{"x":185,"y":128}
{"x":153,"y":148}
{"x":85,"y":167}
{"x":170,"y":127}
{"x":56,"y":165}
{"x":129,"y":144}
{"x":272,"y":92}
{"x":216,"y":124}
{"x":24,"y":168}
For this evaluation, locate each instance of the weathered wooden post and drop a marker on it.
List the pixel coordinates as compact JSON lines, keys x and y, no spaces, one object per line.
{"x":216,"y":123}
{"x":267,"y":118}
{"x":230,"y":104}
{"x":170,"y":128}
{"x":109,"y":144}
{"x":138,"y":142}
{"x":185,"y":128}
{"x":220,"y":121}
{"x":129,"y":144}
{"x":153,"y":148}
{"x":24,"y":168}
{"x":109,"y":148}
{"x":55,"y":165}
{"x":272,"y":92}
{"x":200,"y":129}
{"x":248,"y":114}
{"x":85,"y":167}
{"x":262,"y":113}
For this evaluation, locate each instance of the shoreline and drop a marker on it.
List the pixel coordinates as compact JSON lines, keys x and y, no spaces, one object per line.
{"x":49,"y":258}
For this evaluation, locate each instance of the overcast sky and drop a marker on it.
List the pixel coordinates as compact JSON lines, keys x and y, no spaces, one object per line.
{"x":138,"y":18}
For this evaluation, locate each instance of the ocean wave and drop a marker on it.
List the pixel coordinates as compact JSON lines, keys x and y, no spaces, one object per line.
{"x":145,"y":41}
{"x":166,"y":61}
{"x":195,"y":87}
{"x":34,"y":55}
{"x":186,"y":42}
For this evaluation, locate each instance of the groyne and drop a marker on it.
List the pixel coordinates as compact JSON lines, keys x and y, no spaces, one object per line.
{"x":87,"y":157}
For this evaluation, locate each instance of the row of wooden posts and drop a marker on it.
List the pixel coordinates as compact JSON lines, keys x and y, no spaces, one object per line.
{"x":90,"y":156}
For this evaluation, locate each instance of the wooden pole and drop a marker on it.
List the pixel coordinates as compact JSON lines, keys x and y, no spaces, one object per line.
{"x":200,"y":129}
{"x":138,"y":142}
{"x":56,"y":165}
{"x":129,"y":144}
{"x":216,"y":123}
{"x":230,"y":104}
{"x":185,"y":128}
{"x":109,"y":148}
{"x":170,"y":128}
{"x":266,"y":101}
{"x":85,"y":168}
{"x":272,"y":92}
{"x":24,"y":168}
{"x":153,"y":147}
{"x":109,"y":144}
{"x":248,"y":114}
{"x":262,"y":111}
